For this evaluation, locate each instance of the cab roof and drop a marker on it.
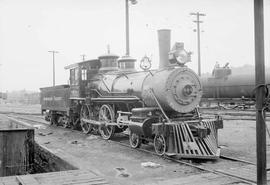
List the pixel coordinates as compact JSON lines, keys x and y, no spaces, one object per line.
{"x":72,"y":66}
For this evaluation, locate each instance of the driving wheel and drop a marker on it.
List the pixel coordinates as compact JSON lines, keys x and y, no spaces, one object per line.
{"x":106,"y":116}
{"x":85,"y":115}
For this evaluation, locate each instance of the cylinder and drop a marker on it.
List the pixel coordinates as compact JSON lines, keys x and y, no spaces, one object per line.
{"x":164,"y":40}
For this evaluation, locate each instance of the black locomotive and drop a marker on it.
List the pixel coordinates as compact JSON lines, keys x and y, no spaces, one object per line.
{"x":108,"y":95}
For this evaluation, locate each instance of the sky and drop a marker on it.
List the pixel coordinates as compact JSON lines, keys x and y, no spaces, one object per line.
{"x":30,"y":28}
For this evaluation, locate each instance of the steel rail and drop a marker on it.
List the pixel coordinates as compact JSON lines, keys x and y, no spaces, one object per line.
{"x":189,"y":164}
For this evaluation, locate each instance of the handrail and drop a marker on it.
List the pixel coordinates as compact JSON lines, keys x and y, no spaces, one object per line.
{"x":152,"y":93}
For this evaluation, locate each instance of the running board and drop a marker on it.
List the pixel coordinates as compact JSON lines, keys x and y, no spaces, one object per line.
{"x":103,"y":123}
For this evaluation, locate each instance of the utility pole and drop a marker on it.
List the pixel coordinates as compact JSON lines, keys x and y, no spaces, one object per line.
{"x":260,"y":92}
{"x":198,"y":14}
{"x":83,"y":57}
{"x":53,"y":53}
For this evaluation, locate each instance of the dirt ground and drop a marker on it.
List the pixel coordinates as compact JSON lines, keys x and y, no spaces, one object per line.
{"x":237,"y":138}
{"x":19,"y":108}
{"x":118,"y":164}
{"x":122,"y":165}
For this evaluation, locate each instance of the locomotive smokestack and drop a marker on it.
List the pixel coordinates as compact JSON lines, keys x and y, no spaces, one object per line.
{"x":164,"y":40}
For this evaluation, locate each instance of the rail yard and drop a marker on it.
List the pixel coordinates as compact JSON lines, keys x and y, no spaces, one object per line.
{"x":114,"y":124}
{"x":148,"y":120}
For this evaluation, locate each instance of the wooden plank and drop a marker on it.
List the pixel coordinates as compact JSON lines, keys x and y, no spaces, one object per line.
{"x":5,"y":153}
{"x":68,"y":173}
{"x":27,"y":180}
{"x":88,"y":181}
{"x":199,"y":179}
{"x":2,"y":154}
{"x":64,"y":180}
{"x":70,"y":177}
{"x":10,"y":180}
{"x":17,"y":151}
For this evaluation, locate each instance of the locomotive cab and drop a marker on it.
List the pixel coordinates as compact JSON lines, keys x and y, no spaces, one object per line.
{"x":80,"y":74}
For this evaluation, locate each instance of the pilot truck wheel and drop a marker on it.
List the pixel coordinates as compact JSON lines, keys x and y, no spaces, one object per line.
{"x":134,"y":140}
{"x":160,"y":144}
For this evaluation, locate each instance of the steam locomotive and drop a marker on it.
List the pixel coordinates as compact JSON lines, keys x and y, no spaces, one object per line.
{"x":107,"y":95}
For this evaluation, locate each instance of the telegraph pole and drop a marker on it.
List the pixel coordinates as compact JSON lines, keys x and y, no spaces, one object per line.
{"x":260,"y":92}
{"x":198,"y":14}
{"x":53,"y":53}
{"x":83,"y":57}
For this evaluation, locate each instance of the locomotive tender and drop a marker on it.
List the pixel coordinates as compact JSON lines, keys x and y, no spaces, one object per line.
{"x":108,"y":96}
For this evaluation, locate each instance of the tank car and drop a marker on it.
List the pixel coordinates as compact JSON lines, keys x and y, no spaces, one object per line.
{"x":228,"y":87}
{"x":156,"y":106}
{"x":3,"y":95}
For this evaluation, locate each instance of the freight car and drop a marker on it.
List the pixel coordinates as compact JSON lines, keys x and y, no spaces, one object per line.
{"x":227,"y":87}
{"x":159,"y":106}
{"x":3,"y":95}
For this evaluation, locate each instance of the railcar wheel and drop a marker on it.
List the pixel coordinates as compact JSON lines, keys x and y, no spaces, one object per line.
{"x":64,"y":121}
{"x":85,"y":114}
{"x":60,"y":120}
{"x":76,"y":124}
{"x":135,"y":140}
{"x":160,"y":144}
{"x":54,"y":119}
{"x":106,"y":114}
{"x":47,"y":116}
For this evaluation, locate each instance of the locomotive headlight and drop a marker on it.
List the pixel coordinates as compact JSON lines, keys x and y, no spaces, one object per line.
{"x":187,"y":90}
{"x":179,"y":55}
{"x":182,"y":57}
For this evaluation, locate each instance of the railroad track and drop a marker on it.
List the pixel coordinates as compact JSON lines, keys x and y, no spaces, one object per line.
{"x":30,"y":122}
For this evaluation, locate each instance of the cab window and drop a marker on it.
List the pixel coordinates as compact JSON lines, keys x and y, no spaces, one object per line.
{"x":84,"y":74}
